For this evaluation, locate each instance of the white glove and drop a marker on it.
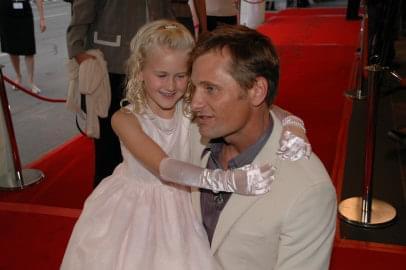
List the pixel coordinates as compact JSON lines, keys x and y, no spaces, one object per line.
{"x":293,"y":148}
{"x":247,"y":180}
{"x":293,"y":142}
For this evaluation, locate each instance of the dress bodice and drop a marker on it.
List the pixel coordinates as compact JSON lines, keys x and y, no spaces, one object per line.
{"x":170,"y":134}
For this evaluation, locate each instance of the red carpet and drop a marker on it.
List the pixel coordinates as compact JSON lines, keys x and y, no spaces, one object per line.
{"x":36,"y":222}
{"x":32,"y":241}
{"x":68,"y":173}
{"x":317,"y":49}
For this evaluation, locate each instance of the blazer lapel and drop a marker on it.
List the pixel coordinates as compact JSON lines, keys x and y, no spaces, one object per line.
{"x":238,"y":204}
{"x":235,"y":207}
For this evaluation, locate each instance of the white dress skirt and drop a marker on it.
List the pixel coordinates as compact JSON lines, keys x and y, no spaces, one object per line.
{"x":132,"y":220}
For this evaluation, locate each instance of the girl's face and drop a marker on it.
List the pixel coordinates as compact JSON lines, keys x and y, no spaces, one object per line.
{"x":165,"y":78}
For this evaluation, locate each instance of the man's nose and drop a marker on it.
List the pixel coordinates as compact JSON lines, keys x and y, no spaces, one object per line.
{"x":197,"y":100}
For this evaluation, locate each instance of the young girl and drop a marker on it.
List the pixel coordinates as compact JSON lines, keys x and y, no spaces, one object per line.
{"x":133,"y":219}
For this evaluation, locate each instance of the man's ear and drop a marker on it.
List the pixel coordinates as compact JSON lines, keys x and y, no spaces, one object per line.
{"x":259,"y":91}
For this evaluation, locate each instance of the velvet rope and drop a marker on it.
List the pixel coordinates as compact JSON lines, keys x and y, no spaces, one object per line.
{"x":29,"y":92}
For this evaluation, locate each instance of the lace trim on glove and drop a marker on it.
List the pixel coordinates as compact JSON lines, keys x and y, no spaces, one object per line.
{"x":295,"y":121}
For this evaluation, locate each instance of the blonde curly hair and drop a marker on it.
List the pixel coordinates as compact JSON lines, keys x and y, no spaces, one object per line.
{"x":165,"y":33}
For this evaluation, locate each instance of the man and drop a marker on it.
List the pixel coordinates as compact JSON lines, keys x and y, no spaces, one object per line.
{"x":109,"y":25}
{"x":235,"y":71}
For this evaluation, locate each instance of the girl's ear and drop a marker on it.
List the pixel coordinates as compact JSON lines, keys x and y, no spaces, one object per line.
{"x":259,"y":91}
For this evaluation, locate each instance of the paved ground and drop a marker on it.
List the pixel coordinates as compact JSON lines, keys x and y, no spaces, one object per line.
{"x":41,"y":126}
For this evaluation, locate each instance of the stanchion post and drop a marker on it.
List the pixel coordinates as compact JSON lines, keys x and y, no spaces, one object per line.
{"x":358,"y":92}
{"x":365,"y":211}
{"x":20,"y":178}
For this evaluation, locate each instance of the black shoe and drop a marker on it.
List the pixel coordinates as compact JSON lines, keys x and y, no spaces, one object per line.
{"x":398,"y":135}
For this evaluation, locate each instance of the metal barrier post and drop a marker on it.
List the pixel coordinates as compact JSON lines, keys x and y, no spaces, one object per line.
{"x":12,"y":176}
{"x":362,"y":55}
{"x":365,"y":211}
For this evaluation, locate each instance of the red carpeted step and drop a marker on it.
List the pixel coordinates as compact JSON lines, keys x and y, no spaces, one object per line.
{"x":68,"y":177}
{"x":368,"y":258}
{"x":316,"y":55}
{"x":313,"y":82}
{"x":308,"y":12}
{"x":312,"y":31}
{"x":33,"y":241}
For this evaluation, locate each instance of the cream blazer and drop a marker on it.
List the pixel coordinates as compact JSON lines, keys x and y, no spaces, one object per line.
{"x":290,"y":228}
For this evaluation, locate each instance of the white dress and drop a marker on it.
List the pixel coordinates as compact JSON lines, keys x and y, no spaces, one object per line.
{"x":132,"y":220}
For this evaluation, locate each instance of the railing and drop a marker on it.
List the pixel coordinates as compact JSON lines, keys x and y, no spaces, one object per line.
{"x":29,"y":92}
{"x":12,"y":175}
{"x":365,"y":211}
{"x":358,"y":73}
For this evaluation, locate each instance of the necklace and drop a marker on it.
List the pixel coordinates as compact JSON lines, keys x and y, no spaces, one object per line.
{"x":165,"y":125}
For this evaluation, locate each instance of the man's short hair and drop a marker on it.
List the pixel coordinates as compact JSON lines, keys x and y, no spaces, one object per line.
{"x":252,"y":55}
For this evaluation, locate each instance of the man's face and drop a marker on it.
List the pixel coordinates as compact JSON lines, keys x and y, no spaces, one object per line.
{"x":221,"y":106}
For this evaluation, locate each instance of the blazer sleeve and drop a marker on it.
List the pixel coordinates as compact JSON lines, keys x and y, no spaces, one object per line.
{"x":83,"y":15}
{"x":308,"y":231}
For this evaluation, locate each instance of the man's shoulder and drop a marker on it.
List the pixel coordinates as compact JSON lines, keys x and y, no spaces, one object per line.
{"x":296,"y":184}
{"x":300,"y":179}
{"x":306,"y":171}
